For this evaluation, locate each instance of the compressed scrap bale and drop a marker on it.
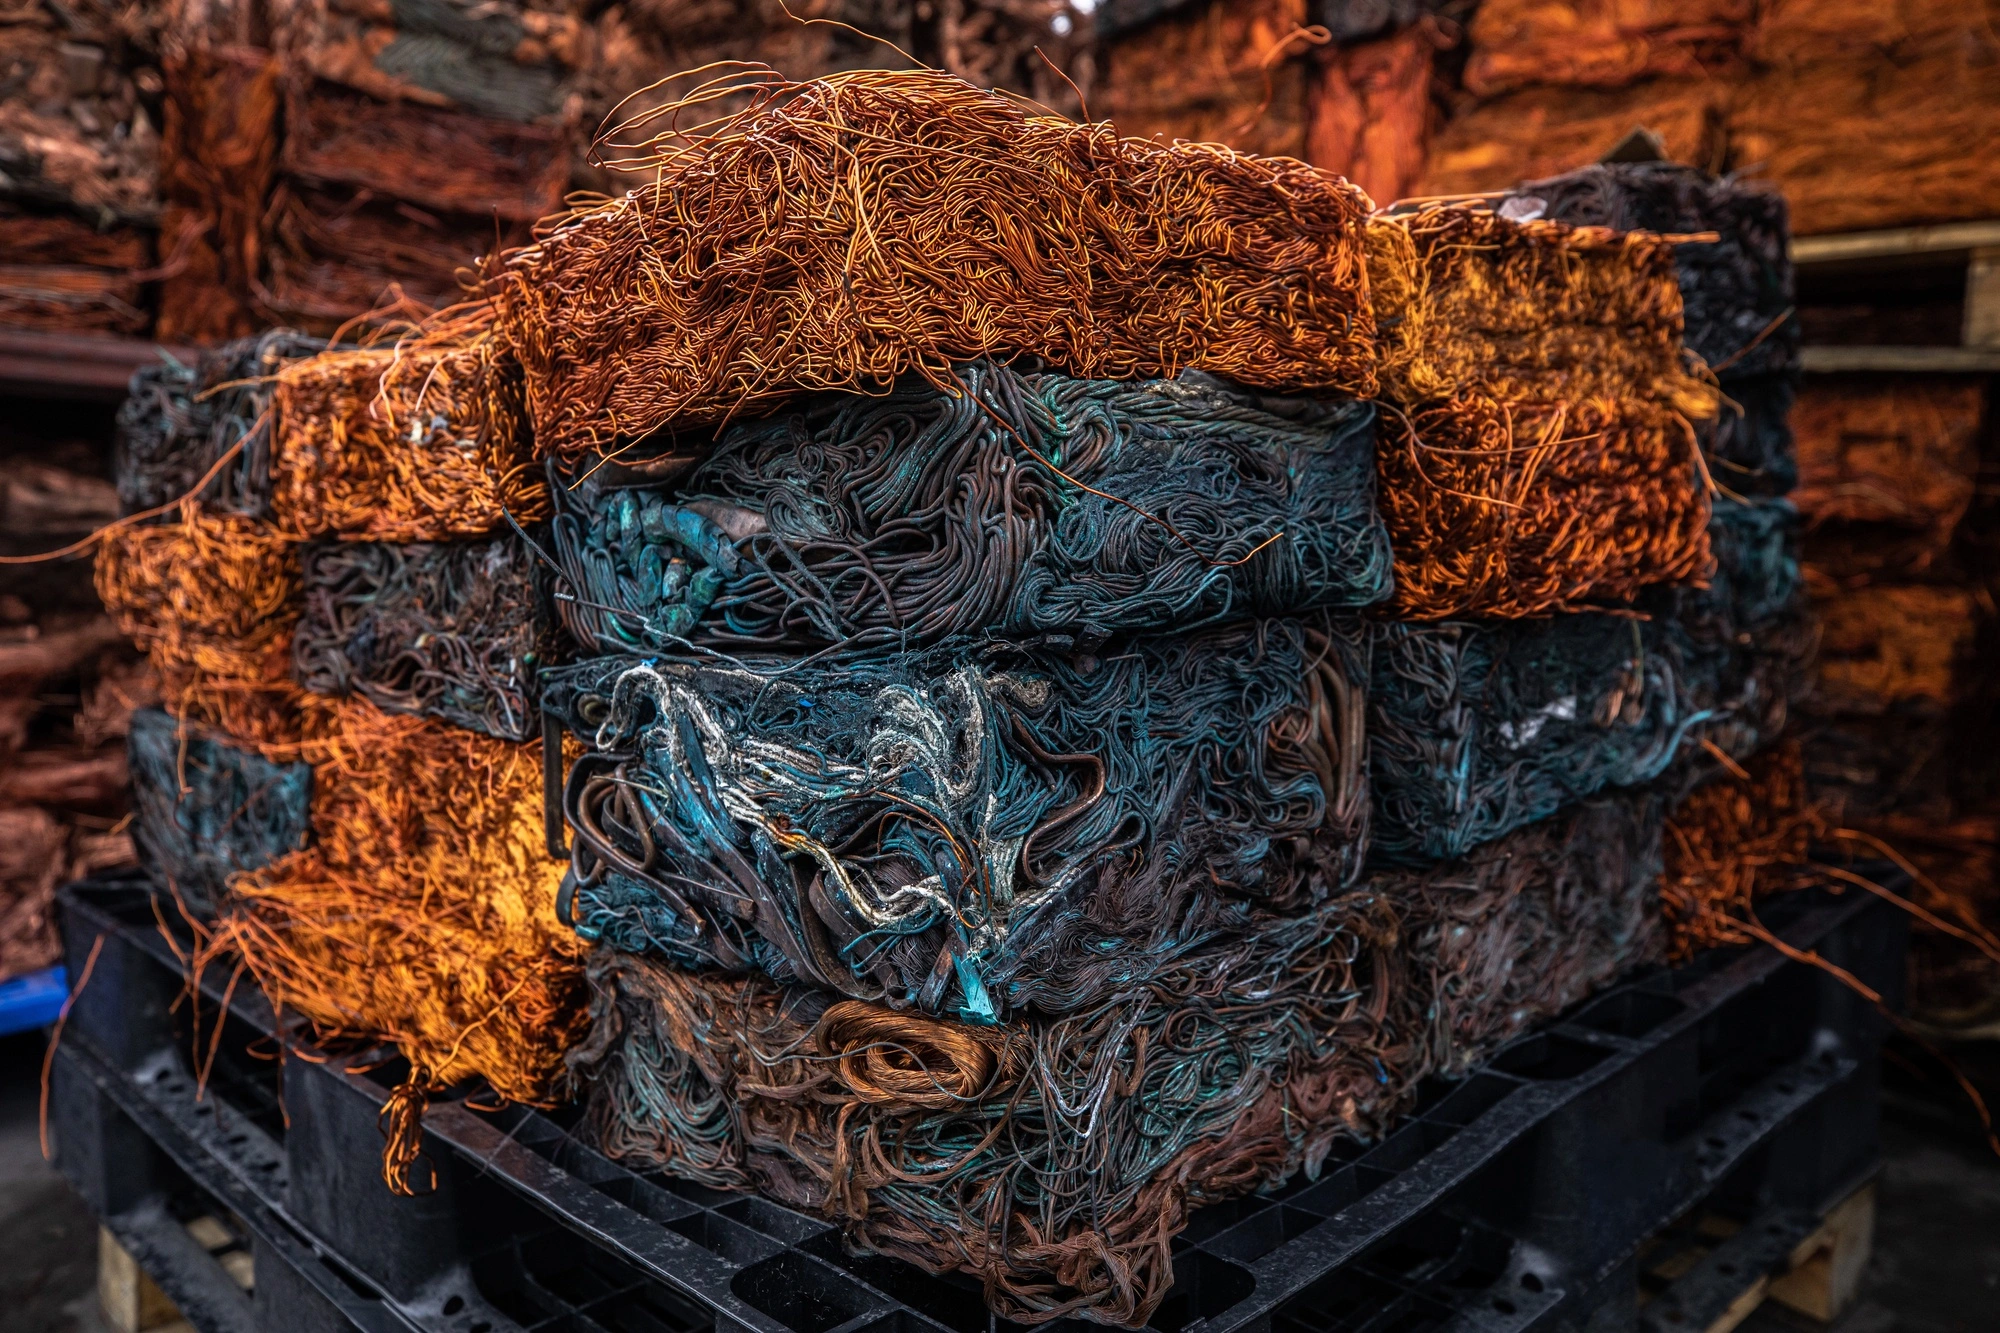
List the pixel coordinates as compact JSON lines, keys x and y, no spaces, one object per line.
{"x":1898,"y":764}
{"x":1369,"y":111}
{"x":1476,"y":728}
{"x":1541,"y":451}
{"x":1040,"y":48}
{"x":417,"y":442}
{"x":1602,"y":43}
{"x":1026,"y":505}
{"x":1494,"y":145}
{"x":1739,"y":837}
{"x":39,"y":851}
{"x":205,"y":809}
{"x":218,"y":159}
{"x":333,"y":255}
{"x":1736,"y":292}
{"x":951,"y":832}
{"x":1056,"y":1159}
{"x":62,"y":273}
{"x":1899,"y":452}
{"x":179,"y":420}
{"x":420,"y":914}
{"x":79,"y":154}
{"x":1891,"y":647}
{"x":448,"y":631}
{"x":212,"y":600}
{"x":416,"y":138}
{"x":76,"y":131}
{"x":41,"y":502}
{"x":1213,"y":73}
{"x":1750,"y":446}
{"x":1954,"y":984}
{"x":696,"y":297}
{"x":215,"y":593}
{"x":1918,"y":111}
{"x":465,"y":108}
{"x":1791,"y":33}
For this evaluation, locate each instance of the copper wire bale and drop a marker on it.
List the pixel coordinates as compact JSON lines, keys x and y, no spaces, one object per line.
{"x":423,"y":912}
{"x":1541,"y":453}
{"x":421,"y":441}
{"x":212,"y":600}
{"x":214,"y":594}
{"x":1056,"y":1159}
{"x":837,"y":233}
{"x":1741,"y":836}
{"x":1536,"y":132}
{"x":1888,"y":648}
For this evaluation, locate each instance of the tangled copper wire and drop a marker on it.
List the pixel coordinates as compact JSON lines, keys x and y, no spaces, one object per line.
{"x":421,"y":915}
{"x":1057,"y":1158}
{"x":212,"y":600}
{"x":419,"y":441}
{"x":1744,"y":835}
{"x":837,"y":233}
{"x":1540,"y":454}
{"x":214,"y":592}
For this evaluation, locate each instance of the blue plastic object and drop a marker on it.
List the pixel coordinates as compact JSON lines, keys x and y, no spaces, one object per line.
{"x":32,"y":1001}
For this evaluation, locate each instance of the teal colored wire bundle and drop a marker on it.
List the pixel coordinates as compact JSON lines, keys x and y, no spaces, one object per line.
{"x":961,"y":831}
{"x":1031,"y":506}
{"x":204,"y":809}
{"x":180,"y":419}
{"x":1476,"y":728}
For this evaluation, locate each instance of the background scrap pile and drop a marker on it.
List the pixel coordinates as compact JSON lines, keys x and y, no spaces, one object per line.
{"x":68,"y":686}
{"x":1034,"y":748}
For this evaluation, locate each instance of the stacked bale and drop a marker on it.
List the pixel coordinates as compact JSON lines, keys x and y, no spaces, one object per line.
{"x":896,"y":792}
{"x":1549,"y":87}
{"x":1902,"y":722}
{"x":79,"y":161}
{"x":319,"y":564}
{"x":68,"y":686}
{"x":1103,"y":671}
{"x":325,"y":159}
{"x":1542,"y":453}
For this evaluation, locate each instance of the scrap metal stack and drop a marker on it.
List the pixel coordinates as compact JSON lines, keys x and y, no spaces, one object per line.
{"x":79,"y":147}
{"x":68,"y":685}
{"x":1086,"y":669}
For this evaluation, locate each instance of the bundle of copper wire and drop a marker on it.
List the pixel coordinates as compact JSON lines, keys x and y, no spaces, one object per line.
{"x":421,"y":915}
{"x":1540,"y":454}
{"x":837,"y":233}
{"x":419,"y":441}
{"x":1745,"y":834}
{"x":212,"y":600}
{"x":1057,"y":1158}
{"x":213,"y":594}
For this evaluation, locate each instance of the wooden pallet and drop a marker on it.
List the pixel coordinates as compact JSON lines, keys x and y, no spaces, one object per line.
{"x":1973,"y":247}
{"x":1709,"y":1273}
{"x":133,"y":1303}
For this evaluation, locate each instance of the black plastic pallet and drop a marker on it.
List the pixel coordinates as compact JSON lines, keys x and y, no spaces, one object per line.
{"x":1514,"y":1200}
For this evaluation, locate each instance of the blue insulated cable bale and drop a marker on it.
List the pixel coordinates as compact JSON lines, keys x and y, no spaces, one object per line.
{"x":964,"y":831}
{"x":1476,"y":728}
{"x":1749,"y":445}
{"x":179,"y":420}
{"x":1028,"y":506}
{"x":204,"y":810}
{"x":450,"y":630}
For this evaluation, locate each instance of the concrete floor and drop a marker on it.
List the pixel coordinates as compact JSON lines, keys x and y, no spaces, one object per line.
{"x":48,"y":1239}
{"x":1936,"y":1266}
